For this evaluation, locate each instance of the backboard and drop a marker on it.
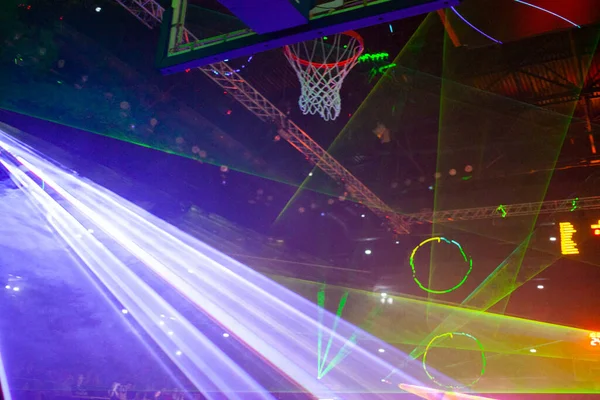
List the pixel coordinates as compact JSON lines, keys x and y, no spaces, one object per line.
{"x":201,"y":32}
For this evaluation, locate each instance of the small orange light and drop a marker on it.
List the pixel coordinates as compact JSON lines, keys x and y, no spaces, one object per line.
{"x":597,"y":232}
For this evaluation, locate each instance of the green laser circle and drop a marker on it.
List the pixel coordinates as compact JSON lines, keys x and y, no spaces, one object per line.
{"x":439,"y":239}
{"x":451,"y":334}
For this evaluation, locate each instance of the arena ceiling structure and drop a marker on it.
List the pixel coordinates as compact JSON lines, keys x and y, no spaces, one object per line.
{"x":453,"y":201}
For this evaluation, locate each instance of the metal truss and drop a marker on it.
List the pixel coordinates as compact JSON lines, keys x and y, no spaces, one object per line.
{"x":148,"y":12}
{"x":255,"y":102}
{"x":511,"y":210}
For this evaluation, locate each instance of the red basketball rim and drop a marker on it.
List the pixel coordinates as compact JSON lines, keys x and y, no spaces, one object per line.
{"x":306,"y":63}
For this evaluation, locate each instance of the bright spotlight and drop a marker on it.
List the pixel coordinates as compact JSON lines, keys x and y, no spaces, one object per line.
{"x":381,"y":350}
{"x":532,"y":350}
{"x":226,"y":335}
{"x":383,"y":294}
{"x":397,"y":242}
{"x":98,"y":9}
{"x":178,"y":352}
{"x":16,"y":289}
{"x":390,"y":300}
{"x":7,"y":287}
{"x":362,"y":215}
{"x":553,"y":238}
{"x":124,"y":311}
{"x":367,"y":251}
{"x":540,"y":286}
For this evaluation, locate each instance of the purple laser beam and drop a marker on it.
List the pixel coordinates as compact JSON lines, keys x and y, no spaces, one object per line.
{"x":271,"y":319}
{"x":549,"y":12}
{"x":473,"y":26}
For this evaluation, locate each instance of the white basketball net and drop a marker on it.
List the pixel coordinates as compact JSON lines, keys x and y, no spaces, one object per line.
{"x":321,"y":66}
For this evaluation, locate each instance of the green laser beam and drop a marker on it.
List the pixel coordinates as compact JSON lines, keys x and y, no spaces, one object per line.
{"x":353,"y":340}
{"x":338,"y":315}
{"x":515,"y":266}
{"x":411,"y":45}
{"x":404,"y":323}
{"x":555,"y":161}
{"x":321,"y":311}
{"x":440,"y":146}
{"x":162,"y":149}
{"x":415,"y":304}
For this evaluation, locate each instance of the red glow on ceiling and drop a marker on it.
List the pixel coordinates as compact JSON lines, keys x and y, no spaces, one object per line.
{"x":513,"y":21}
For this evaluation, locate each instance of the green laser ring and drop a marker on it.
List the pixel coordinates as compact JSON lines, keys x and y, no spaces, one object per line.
{"x":439,"y":239}
{"x":451,"y":335}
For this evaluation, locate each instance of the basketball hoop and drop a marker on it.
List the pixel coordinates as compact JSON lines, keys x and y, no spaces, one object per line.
{"x":321,"y":66}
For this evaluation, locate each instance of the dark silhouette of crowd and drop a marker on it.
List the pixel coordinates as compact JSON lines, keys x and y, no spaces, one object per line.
{"x":63,"y":385}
